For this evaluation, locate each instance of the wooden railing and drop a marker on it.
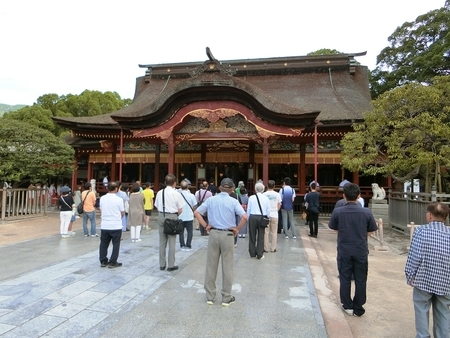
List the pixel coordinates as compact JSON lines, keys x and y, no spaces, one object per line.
{"x":23,"y":203}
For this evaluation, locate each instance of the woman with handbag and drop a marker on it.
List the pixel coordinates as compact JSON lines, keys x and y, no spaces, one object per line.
{"x":65,"y":215}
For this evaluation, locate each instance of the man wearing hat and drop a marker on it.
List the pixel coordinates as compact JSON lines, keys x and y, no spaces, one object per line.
{"x":222,"y":211}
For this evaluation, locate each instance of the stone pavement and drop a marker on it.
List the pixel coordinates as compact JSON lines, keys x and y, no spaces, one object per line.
{"x":55,"y":287}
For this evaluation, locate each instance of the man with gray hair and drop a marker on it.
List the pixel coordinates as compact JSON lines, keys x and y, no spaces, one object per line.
{"x":258,"y":206}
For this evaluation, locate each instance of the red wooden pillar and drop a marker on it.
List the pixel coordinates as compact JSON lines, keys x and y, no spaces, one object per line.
{"x":89,"y":171}
{"x":265,"y":161}
{"x":302,"y":171}
{"x":121,"y":155}
{"x":75,"y":172}
{"x":315,"y":153}
{"x":157,"y":166}
{"x":171,"y":160}
{"x":355,"y":178}
{"x":113,"y":166}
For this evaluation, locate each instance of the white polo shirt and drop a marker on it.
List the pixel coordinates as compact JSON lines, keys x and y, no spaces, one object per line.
{"x":172,"y":200}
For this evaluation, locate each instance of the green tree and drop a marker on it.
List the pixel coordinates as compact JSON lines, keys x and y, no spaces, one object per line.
{"x":406,"y":134}
{"x":30,"y":152}
{"x":35,"y":115}
{"x":324,"y":51}
{"x":92,"y":103}
{"x":88,"y":103}
{"x":417,"y":52}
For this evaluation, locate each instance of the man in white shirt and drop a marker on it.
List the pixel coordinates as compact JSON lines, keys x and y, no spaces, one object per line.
{"x":187,"y":215}
{"x":258,"y":206}
{"x":169,"y":205}
{"x":275,"y":204}
{"x":112,"y":210}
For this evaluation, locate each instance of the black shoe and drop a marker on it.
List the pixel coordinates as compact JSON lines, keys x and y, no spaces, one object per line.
{"x":173,"y":268}
{"x":104,"y":264}
{"x":231,"y":301}
{"x":162,"y":268}
{"x":114,"y":265}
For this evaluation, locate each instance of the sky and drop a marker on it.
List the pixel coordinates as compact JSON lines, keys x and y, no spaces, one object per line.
{"x":67,"y":46}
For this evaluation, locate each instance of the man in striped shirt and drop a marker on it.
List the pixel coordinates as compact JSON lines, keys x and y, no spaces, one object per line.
{"x":428,"y":272}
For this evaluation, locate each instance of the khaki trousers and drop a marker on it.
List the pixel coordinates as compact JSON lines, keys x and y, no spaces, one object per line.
{"x":220,"y":246}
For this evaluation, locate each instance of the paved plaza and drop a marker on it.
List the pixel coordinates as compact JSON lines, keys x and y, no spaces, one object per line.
{"x":53,"y":287}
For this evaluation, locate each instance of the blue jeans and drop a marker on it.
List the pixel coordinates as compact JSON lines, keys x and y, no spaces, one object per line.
{"x":91,"y":216}
{"x":441,"y":313}
{"x":188,"y":225}
{"x":288,"y":216}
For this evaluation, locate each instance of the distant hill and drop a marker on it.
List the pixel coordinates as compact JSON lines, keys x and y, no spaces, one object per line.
{"x":4,"y":108}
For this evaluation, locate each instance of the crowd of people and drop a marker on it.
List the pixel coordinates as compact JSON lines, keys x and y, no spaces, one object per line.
{"x":230,"y":213}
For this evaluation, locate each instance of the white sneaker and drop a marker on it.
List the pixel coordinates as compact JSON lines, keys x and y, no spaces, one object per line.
{"x":183,"y":248}
{"x":287,"y":237}
{"x":133,"y":240}
{"x":243,"y":236}
{"x":295,"y":237}
{"x":94,"y":235}
{"x":138,"y":240}
{"x":188,"y":249}
{"x":65,"y":236}
{"x":72,"y":233}
{"x":347,"y":311}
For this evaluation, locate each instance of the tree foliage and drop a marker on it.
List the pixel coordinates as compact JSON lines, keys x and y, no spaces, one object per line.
{"x":30,"y":152}
{"x":417,"y":52}
{"x":405,"y":135}
{"x":324,"y":51}
{"x":88,"y":103}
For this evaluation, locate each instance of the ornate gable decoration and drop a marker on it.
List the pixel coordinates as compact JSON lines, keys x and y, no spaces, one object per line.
{"x":212,"y":65}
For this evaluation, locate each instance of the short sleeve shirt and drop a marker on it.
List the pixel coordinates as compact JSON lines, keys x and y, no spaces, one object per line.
{"x":352,"y":223}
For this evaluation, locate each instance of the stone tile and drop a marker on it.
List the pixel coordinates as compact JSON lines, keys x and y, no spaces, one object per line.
{"x":71,"y":291}
{"x":78,"y":325}
{"x":113,"y":301}
{"x":28,"y":312}
{"x":35,"y":327}
{"x":87,"y":298}
{"x":139,"y":284}
{"x":5,"y":328}
{"x":65,"y":310}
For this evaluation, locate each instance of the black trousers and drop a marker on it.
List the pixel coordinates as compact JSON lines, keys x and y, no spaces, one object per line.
{"x":358,"y":266}
{"x":106,"y":237}
{"x":313,"y":219}
{"x":255,"y":236}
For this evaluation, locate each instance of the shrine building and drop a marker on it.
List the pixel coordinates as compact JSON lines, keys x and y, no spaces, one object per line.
{"x":246,"y":119}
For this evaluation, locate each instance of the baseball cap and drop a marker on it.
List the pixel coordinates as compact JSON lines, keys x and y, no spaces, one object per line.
{"x":227,"y":183}
{"x":65,"y":189}
{"x":187,"y":181}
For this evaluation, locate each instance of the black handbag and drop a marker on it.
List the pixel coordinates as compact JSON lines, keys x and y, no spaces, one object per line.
{"x":264,"y":222}
{"x":172,"y":226}
{"x":81,"y":205}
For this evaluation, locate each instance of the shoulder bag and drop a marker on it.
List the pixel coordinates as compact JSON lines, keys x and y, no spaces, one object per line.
{"x":80,"y":206}
{"x":264,"y":223}
{"x":171,"y":226}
